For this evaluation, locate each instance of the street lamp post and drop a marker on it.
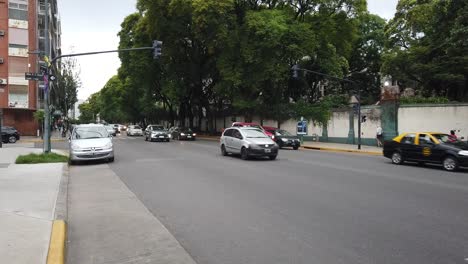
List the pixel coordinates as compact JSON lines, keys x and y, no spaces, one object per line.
{"x":296,"y":68}
{"x":46,"y":84}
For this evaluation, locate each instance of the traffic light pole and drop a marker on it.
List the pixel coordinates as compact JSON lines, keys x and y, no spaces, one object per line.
{"x":296,"y":68}
{"x":46,"y":85}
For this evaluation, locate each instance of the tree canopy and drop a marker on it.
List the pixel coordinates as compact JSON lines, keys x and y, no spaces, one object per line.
{"x":234,"y":57}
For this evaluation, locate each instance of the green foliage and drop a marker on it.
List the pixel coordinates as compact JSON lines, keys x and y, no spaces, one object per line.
{"x":41,"y":158}
{"x":427,"y":48}
{"x":65,"y":91}
{"x":233,"y":57}
{"x":423,"y":100}
{"x":39,"y":116}
{"x":320,"y":112}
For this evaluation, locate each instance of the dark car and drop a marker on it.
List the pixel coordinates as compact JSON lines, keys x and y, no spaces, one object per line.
{"x":183,"y":133}
{"x":285,"y":139}
{"x":427,"y":147}
{"x":10,"y":135}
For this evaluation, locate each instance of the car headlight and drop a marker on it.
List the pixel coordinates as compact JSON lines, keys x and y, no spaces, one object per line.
{"x":182,"y":134}
{"x":284,"y":140}
{"x":194,"y":134}
{"x":170,"y":136}
{"x":108,"y":145}
{"x":75,"y":146}
{"x":463,"y":152}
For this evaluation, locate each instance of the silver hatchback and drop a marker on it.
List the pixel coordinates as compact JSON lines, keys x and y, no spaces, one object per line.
{"x":91,"y":142}
{"x":248,"y":142}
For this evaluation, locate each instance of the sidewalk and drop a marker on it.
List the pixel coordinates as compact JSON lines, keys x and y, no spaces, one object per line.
{"x":342,"y":147}
{"x":28,"y":195}
{"x":108,"y":223}
{"x":55,"y":137}
{"x":325,"y":146}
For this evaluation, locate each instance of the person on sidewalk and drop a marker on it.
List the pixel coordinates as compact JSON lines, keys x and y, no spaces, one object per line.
{"x":452,"y":137}
{"x":379,"y":136}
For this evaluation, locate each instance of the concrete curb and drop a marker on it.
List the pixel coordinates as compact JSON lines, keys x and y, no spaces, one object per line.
{"x":366,"y":152}
{"x":208,"y":138}
{"x":57,"y":245}
{"x":56,"y":254}
{"x":39,"y":140}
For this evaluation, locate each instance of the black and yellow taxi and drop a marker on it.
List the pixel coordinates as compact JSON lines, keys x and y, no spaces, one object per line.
{"x":428,"y":147}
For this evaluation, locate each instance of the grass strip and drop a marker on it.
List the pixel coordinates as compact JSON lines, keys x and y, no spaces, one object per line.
{"x":41,"y":158}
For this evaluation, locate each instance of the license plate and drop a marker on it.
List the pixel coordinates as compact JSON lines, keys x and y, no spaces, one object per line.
{"x":189,"y":136}
{"x":161,"y":136}
{"x":267,"y":150}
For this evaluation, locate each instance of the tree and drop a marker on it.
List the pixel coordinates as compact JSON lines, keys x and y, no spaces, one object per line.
{"x":64,"y":93}
{"x":427,"y":48}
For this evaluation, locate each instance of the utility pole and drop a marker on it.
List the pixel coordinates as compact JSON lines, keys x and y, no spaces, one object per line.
{"x":1,"y":124}
{"x":295,"y":68}
{"x":46,"y":82}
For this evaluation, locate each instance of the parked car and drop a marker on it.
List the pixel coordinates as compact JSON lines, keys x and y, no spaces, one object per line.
{"x":254,"y":125}
{"x":10,"y":134}
{"x":248,"y":142}
{"x":427,"y":147}
{"x":156,"y":133}
{"x":134,"y":130}
{"x":91,"y":142}
{"x":285,"y":139}
{"x":183,"y":133}
{"x":111,"y":130}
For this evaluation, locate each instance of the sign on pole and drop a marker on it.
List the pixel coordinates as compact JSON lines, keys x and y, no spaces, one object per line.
{"x":34,"y":76}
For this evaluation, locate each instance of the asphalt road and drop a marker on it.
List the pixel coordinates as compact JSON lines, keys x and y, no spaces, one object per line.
{"x":305,"y":207}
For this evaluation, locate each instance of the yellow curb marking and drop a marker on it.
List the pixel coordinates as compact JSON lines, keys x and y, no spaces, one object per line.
{"x":56,"y":254}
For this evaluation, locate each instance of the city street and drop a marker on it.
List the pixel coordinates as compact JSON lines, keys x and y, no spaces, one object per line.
{"x":305,"y":207}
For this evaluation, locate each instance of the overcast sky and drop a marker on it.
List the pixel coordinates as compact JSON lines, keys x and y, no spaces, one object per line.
{"x":92,"y":25}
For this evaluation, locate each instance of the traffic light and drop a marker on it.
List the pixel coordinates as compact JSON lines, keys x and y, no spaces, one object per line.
{"x":157,"y":46}
{"x":363,"y":119}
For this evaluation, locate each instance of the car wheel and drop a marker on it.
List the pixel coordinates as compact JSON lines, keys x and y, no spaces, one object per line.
{"x":397,"y":158}
{"x":272,"y":157}
{"x":146,"y":138}
{"x":111,"y":159}
{"x":223,"y":150}
{"x":244,"y":154}
{"x":296,"y":147}
{"x":12,"y":139}
{"x":450,"y":163}
{"x":71,"y":162}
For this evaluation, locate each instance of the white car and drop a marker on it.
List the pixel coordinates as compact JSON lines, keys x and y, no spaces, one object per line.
{"x":248,"y":142}
{"x":134,"y":130}
{"x":91,"y":142}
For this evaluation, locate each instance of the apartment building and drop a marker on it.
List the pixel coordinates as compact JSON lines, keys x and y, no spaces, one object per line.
{"x":22,"y":41}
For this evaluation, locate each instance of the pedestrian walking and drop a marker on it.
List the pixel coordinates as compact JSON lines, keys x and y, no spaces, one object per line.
{"x":379,"y":136}
{"x":452,"y":137}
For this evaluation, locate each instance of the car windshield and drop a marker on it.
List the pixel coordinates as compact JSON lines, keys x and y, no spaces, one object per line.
{"x":155,"y":128}
{"x":283,"y":132}
{"x":254,"y":133}
{"x":136,"y":127}
{"x":186,"y":130}
{"x":444,"y":138}
{"x":90,"y":132}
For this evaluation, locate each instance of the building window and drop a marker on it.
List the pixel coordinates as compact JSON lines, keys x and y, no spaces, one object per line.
{"x":18,"y":14}
{"x":18,"y":50}
{"x":18,"y":96}
{"x":18,"y":36}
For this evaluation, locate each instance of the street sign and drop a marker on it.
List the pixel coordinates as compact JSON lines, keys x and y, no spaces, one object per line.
{"x":35,"y":76}
{"x":302,"y":127}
